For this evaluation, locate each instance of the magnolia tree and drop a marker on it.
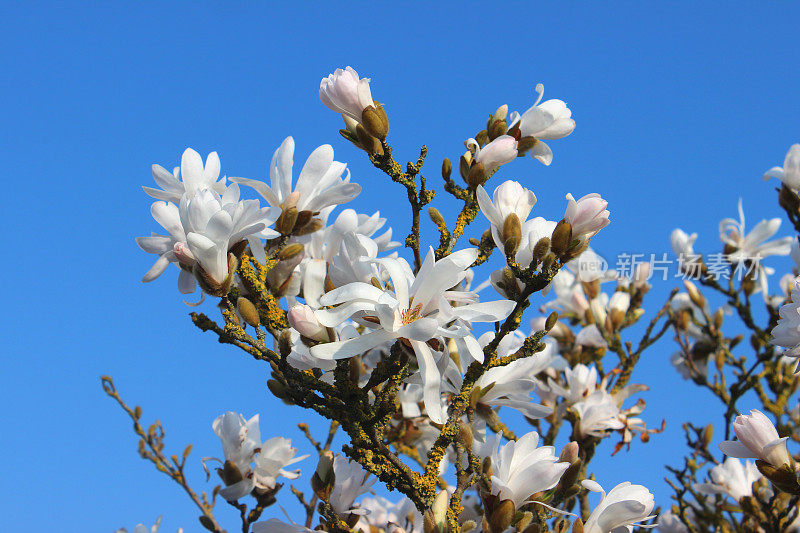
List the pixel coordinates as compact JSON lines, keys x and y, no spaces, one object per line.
{"x":415,"y":359}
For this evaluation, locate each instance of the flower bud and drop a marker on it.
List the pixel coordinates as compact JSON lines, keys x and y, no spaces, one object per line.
{"x":279,"y":390}
{"x":447,"y":168}
{"x":183,"y":254}
{"x":324,"y":479}
{"x":552,"y":318}
{"x":301,"y":317}
{"x":501,"y":516}
{"x":370,"y":144}
{"x":569,"y":453}
{"x":784,"y":477}
{"x":694,"y":294}
{"x":496,"y":129}
{"x":541,"y":248}
{"x":498,"y":152}
{"x":375,"y":122}
{"x":561,"y":238}
{"x":477,"y":175}
{"x":313,"y":226}
{"x":229,"y":473}
{"x":285,"y":343}
{"x":512,"y":234}
{"x":587,"y":215}
{"x":524,"y":521}
{"x":577,"y":526}
{"x":290,"y":251}
{"x":464,"y":163}
{"x":248,"y":311}
{"x":465,"y":436}
{"x":285,"y":222}
{"x":526,"y":143}
{"x":436,"y":217}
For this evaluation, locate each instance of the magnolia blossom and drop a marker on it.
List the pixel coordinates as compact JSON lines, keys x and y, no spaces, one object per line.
{"x":214,"y":223}
{"x":752,"y":247}
{"x":668,"y":522}
{"x":624,"y":507}
{"x":758,"y":438}
{"x":510,"y":385}
{"x":591,"y":336}
{"x":196,"y":176}
{"x":551,"y":119}
{"x":731,"y":478}
{"x":301,"y":317}
{"x":789,"y":174}
{"x":416,"y":309}
{"x":597,"y":414}
{"x":508,"y":197}
{"x":520,"y":469}
{"x":242,"y":446}
{"x":787,"y":332}
{"x":351,"y":482}
{"x":346,"y":93}
{"x":319,"y":185}
{"x":498,"y":152}
{"x":400,"y":517}
{"x":587,"y":215}
{"x":581,"y":381}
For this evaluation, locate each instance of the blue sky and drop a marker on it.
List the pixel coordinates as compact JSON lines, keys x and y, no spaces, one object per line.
{"x":679,"y":110}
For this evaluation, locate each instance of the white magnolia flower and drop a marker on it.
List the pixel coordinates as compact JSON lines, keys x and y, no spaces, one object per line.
{"x":510,"y":385}
{"x":342,"y":252}
{"x":587,"y":215}
{"x":508,"y":197}
{"x":319,"y":185}
{"x":498,"y":152}
{"x":549,"y":120}
{"x":668,"y":522}
{"x":787,"y":332}
{"x":417,"y":309}
{"x":400,"y":517}
{"x":196,"y":176}
{"x":259,"y":463}
{"x":789,"y":174}
{"x":351,"y":482}
{"x":591,"y":336}
{"x":752,"y":247}
{"x":344,"y":92}
{"x":624,"y":507}
{"x":758,"y":439}
{"x":682,"y":243}
{"x":597,"y":414}
{"x":581,"y":382}
{"x":520,"y":469}
{"x":731,"y":478}
{"x":214,"y":223}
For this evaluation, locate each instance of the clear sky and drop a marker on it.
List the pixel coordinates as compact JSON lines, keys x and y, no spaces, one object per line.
{"x":679,"y":110}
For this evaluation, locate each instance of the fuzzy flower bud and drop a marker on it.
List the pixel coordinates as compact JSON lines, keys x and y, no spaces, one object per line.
{"x":500,"y":151}
{"x":301,"y":317}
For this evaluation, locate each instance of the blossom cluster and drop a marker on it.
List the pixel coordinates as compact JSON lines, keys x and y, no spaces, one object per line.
{"x":418,"y":358}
